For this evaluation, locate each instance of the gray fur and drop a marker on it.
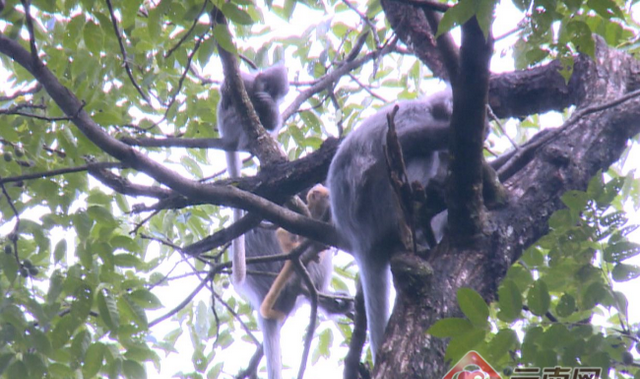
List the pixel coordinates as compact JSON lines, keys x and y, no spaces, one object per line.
{"x":363,"y":205}
{"x":266,"y":89}
{"x":263,"y":242}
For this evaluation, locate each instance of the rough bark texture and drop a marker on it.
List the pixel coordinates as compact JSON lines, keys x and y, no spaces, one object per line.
{"x":574,"y":153}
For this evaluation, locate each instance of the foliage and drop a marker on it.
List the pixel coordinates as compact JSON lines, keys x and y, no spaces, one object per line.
{"x":86,"y":269}
{"x":558,"y":306}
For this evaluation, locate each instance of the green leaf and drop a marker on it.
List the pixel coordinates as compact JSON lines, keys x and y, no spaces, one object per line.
{"x":40,"y":341}
{"x":575,"y":200}
{"x":145,"y":299}
{"x":624,"y":272}
{"x":55,"y":287}
{"x":566,"y":306}
{"x":5,"y":360}
{"x":134,"y":311}
{"x":620,"y":251}
{"x":538,"y":298}
{"x":460,"y":345}
{"x":93,"y":37}
{"x":127,"y":260}
{"x":606,"y":8}
{"x":81,"y":306}
{"x":503,"y":342}
{"x":450,"y":327}
{"x":224,"y":39}
{"x":17,"y":369}
{"x":108,"y":310}
{"x":62,"y":332}
{"x":473,"y":306}
{"x":60,"y":251}
{"x":236,"y":14}
{"x":457,"y":15}
{"x":510,"y":301}
{"x":93,"y":360}
{"x":133,"y":370}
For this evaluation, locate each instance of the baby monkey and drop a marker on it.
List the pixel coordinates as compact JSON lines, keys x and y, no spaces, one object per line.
{"x":319,"y":208}
{"x":277,"y":297}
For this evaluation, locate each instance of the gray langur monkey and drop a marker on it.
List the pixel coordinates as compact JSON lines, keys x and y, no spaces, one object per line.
{"x":266,"y":89}
{"x":363,"y":204}
{"x":290,"y":289}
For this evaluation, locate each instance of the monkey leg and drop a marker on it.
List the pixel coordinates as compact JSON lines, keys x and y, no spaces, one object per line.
{"x":266,"y":308}
{"x":288,"y":242}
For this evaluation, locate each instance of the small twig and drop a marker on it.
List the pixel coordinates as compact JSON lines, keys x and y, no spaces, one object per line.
{"x":237,"y":317}
{"x":184,"y":302}
{"x":46,"y":174}
{"x":13,"y":236}
{"x":166,"y":277}
{"x":59,"y":153}
{"x":144,"y":221}
{"x":510,"y":32}
{"x":188,"y":33}
{"x":26,"y":4}
{"x":334,"y":75}
{"x":509,"y":165}
{"x":37,"y":117}
{"x":16,"y":108}
{"x":125,"y":59}
{"x":191,"y":143}
{"x":366,"y":20}
{"x":301,"y":270}
{"x":201,"y":78}
{"x":497,"y":121}
{"x":358,"y":336}
{"x":427,"y":4}
{"x":184,"y":75}
{"x":17,"y":94}
{"x":368,"y":89}
{"x":254,"y":362}
{"x":221,"y":172}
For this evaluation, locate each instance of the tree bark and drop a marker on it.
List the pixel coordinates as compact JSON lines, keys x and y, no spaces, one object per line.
{"x":592,"y":140}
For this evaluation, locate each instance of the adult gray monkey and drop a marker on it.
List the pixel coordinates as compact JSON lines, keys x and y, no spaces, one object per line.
{"x":266,"y":89}
{"x":363,"y":204}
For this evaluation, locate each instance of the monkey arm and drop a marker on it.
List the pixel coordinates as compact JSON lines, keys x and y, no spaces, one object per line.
{"x":267,"y":110}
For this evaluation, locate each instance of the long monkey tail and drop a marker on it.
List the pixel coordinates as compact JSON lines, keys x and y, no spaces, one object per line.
{"x":239,"y":269}
{"x":271,"y":344}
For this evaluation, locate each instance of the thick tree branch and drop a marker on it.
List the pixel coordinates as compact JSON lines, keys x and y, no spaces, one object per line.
{"x":566,"y":161}
{"x":470,"y":86}
{"x":206,"y":193}
{"x":262,"y":145}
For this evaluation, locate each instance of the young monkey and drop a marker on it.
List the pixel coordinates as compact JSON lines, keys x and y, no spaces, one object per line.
{"x":319,"y":207}
{"x":282,"y":297}
{"x":266,"y":89}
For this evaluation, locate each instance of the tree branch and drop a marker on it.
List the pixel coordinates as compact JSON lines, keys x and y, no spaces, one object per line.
{"x":331,"y":77}
{"x":470,"y":86}
{"x":199,"y":192}
{"x":261,"y":144}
